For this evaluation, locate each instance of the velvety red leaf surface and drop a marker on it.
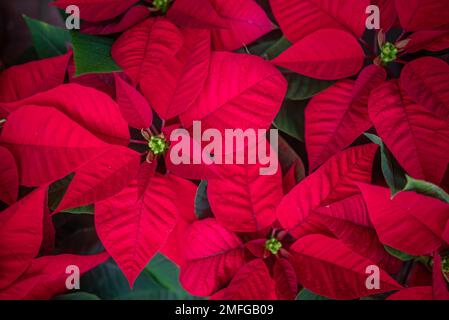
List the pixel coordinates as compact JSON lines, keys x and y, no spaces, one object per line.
{"x":233,"y":24}
{"x":46,"y":276}
{"x":9,"y":188}
{"x":97,"y":10}
{"x":246,"y":201}
{"x":300,"y":18}
{"x":241,"y":91}
{"x":25,"y":80}
{"x":326,"y":54}
{"x":417,"y":138}
{"x":20,"y":236}
{"x":46,"y":144}
{"x":329,"y":268}
{"x":213,"y":256}
{"x":335,"y":179}
{"x":252,"y":282}
{"x":409,"y":222}
{"x":132,"y":228}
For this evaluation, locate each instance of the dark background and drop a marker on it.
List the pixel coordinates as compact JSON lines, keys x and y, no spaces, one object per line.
{"x":14,"y":36}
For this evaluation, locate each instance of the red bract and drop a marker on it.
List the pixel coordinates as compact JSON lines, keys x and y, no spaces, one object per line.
{"x":327,"y":54}
{"x":299,"y":18}
{"x":9,"y":176}
{"x":132,"y":17}
{"x":404,"y":222}
{"x":169,"y":64}
{"x":241,"y":91}
{"x":22,"y":81}
{"x":338,"y":115}
{"x":233,"y":24}
{"x":97,"y":10}
{"x":410,"y":130}
{"x":335,"y":180}
{"x":416,"y":15}
{"x":327,"y":266}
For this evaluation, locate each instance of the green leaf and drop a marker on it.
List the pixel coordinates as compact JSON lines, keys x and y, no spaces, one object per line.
{"x":290,"y":119}
{"x":277,"y":48}
{"x":92,"y":54}
{"x":393,"y":173}
{"x":89,"y":209}
{"x":166,"y":274}
{"x":49,"y":41}
{"x":425,"y":188}
{"x":77,"y":296}
{"x":302,"y":88}
{"x":305,"y":294}
{"x":399,"y":254}
{"x":202,"y":207}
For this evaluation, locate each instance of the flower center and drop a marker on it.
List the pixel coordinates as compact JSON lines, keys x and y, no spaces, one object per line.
{"x":161,"y":5}
{"x":388,"y":52}
{"x":158,"y":145}
{"x":273,"y":245}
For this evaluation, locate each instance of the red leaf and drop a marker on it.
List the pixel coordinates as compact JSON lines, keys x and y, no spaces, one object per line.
{"x":46,"y":144}
{"x":101,"y":177}
{"x":299,"y":18}
{"x":409,"y":222}
{"x":339,"y":115}
{"x":242,"y":91}
{"x":417,"y":138}
{"x":415,"y":293}
{"x":233,"y":23}
{"x":133,"y":106}
{"x":97,"y":10}
{"x":132,"y":17}
{"x":426,"y":80}
{"x":186,"y":207}
{"x":144,"y":46}
{"x":327,"y":54}
{"x":388,"y":14}
{"x":90,"y":108}
{"x":363,"y":240}
{"x":245,"y":201}
{"x":285,"y":278}
{"x":335,"y":180}
{"x":329,"y":268}
{"x":252,"y":282}
{"x":416,"y":15}
{"x":175,"y":81}
{"x":213,"y":256}
{"x":9,"y":188}
{"x":196,"y":14}
{"x":133,"y":229}
{"x":428,"y":40}
{"x":20,"y":235}
{"x":46,"y":276}
{"x":440,"y":285}
{"x":25,"y":80}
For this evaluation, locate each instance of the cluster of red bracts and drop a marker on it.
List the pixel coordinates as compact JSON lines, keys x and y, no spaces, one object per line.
{"x":266,"y":237}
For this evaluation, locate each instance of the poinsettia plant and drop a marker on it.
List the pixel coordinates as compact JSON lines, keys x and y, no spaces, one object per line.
{"x":356,"y":208}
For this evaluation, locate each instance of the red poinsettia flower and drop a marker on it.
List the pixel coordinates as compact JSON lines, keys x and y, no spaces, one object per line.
{"x":328,"y":40}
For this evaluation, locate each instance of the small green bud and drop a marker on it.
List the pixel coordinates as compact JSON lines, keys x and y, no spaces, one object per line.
{"x":161,"y":5}
{"x":158,"y":145}
{"x":273,"y":245}
{"x":388,"y":52}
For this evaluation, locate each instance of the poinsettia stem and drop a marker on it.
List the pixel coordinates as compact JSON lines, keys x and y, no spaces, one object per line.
{"x":137,"y":141}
